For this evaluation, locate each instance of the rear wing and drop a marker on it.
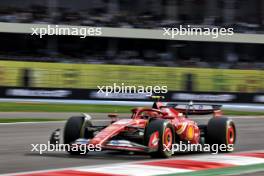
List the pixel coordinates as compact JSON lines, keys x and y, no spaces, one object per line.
{"x":196,"y":109}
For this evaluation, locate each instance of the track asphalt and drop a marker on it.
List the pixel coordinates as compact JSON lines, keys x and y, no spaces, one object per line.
{"x":16,"y":140}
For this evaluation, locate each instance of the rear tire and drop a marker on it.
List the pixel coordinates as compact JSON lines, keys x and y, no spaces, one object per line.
{"x":221,"y":131}
{"x":166,"y":136}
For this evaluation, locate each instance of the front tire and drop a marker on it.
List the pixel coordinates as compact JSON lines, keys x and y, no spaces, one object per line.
{"x":166,"y":137}
{"x":73,"y":130}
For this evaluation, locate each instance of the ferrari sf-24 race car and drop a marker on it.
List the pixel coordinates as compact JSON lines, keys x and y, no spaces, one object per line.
{"x":151,"y":130}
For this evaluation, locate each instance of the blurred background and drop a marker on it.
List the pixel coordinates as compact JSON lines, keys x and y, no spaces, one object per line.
{"x":189,"y":66}
{"x":244,"y":15}
{"x":52,"y":78}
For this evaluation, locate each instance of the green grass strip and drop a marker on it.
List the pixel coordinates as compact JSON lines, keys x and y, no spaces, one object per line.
{"x":14,"y":120}
{"x":223,"y":171}
{"x":40,"y":107}
{"x":243,"y":113}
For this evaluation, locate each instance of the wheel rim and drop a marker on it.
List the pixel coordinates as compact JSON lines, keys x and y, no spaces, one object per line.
{"x":168,"y":137}
{"x":230,"y":135}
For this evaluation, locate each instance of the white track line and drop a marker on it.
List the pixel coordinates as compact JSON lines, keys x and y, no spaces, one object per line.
{"x":29,"y":123}
{"x":229,"y":159}
{"x":47,"y":122}
{"x":134,"y":170}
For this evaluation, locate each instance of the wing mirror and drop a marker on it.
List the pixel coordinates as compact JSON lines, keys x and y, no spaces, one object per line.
{"x":169,"y":117}
{"x":114,"y":117}
{"x":166,"y":115}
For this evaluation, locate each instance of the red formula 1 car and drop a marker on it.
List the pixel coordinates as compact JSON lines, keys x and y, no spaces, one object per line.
{"x":151,"y":130}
